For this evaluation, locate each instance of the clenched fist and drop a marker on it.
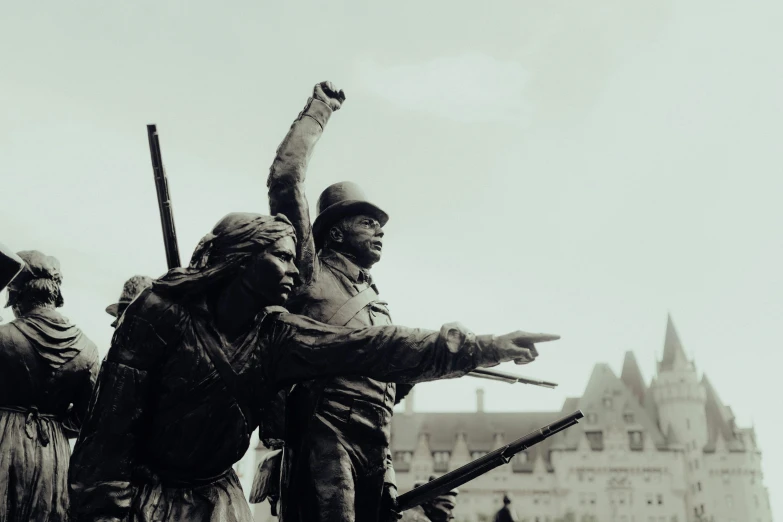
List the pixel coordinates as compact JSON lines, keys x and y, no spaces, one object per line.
{"x":328,"y":93}
{"x":520,"y":346}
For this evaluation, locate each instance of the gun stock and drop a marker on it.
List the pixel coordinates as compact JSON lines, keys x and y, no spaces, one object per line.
{"x":482,"y":465}
{"x":164,"y":199}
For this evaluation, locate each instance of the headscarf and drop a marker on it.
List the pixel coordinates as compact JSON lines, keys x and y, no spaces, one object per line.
{"x":235,"y":238}
{"x":36,"y":266}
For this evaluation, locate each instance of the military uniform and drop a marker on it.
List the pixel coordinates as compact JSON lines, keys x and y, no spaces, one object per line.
{"x":337,"y":455}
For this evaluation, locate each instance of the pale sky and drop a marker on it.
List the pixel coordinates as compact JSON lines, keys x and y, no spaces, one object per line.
{"x":579,"y":168}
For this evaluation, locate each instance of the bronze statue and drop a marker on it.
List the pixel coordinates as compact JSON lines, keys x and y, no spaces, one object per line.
{"x":47,"y":371}
{"x":130,"y":290}
{"x":438,"y":509}
{"x":336,"y":464}
{"x":196,"y":358}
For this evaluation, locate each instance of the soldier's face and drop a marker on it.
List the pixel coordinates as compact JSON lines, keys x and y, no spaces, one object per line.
{"x":272,"y":274}
{"x":362,"y":237}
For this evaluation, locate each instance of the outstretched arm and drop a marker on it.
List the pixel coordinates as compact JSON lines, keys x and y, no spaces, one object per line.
{"x":303,"y":349}
{"x":287,"y":173}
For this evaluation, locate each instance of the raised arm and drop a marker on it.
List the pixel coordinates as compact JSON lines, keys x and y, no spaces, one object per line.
{"x":103,"y":460}
{"x":303,"y":349}
{"x":287,"y":173}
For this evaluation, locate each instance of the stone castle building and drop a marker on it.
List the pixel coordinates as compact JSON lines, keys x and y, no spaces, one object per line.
{"x":667,"y":452}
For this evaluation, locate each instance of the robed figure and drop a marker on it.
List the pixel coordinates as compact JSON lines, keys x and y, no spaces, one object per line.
{"x":47,"y":371}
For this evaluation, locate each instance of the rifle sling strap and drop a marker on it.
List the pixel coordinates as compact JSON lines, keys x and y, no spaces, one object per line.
{"x":353,"y":306}
{"x":229,"y":378}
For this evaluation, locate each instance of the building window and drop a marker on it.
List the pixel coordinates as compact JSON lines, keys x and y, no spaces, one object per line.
{"x":592,"y":418}
{"x":592,"y":499}
{"x":729,"y":501}
{"x":660,"y":500}
{"x":478,"y":454}
{"x":756,"y":500}
{"x":628,"y":417}
{"x":403,"y":456}
{"x":596,"y":439}
{"x":698,"y":486}
{"x":635,"y":440}
{"x":607,"y":402}
{"x":649,"y":499}
{"x":688,"y":423}
{"x":726,"y":479}
{"x":522,"y":457}
{"x":695,"y":464}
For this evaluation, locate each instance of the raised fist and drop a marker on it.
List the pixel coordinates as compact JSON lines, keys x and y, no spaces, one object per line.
{"x":520,"y":346}
{"x":328,"y":93}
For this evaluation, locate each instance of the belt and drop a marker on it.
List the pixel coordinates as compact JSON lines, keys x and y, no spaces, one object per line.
{"x":171,"y":479}
{"x":33,"y":420}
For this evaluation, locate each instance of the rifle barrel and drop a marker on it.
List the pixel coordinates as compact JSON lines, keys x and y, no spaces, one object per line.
{"x":164,"y":199}
{"x":482,"y":465}
{"x":510,"y":378}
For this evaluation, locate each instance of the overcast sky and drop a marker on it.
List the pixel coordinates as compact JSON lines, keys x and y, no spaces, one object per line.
{"x":579,"y":168}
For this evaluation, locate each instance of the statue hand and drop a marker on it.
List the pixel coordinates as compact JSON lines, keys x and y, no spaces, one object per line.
{"x":328,"y":93}
{"x":520,"y":346}
{"x":389,"y":504}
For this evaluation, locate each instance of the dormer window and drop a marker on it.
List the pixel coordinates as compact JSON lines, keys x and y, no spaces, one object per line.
{"x":403,"y":456}
{"x":596,"y":439}
{"x":592,"y":418}
{"x":607,"y":402}
{"x":635,"y":440}
{"x":628,"y":417}
{"x":477,"y":454}
{"x":522,"y":457}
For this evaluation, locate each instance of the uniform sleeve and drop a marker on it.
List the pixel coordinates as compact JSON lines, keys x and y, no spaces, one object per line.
{"x":287,"y":177}
{"x":303,"y":349}
{"x":104,"y":458}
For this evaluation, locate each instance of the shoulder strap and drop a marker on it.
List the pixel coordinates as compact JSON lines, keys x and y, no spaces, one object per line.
{"x":353,"y":306}
{"x":229,"y":378}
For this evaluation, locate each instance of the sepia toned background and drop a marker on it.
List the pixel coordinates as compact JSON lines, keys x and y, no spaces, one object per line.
{"x":581,"y":168}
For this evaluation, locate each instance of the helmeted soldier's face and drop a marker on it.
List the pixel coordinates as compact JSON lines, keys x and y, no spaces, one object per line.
{"x":272,"y":274}
{"x":361,"y":237}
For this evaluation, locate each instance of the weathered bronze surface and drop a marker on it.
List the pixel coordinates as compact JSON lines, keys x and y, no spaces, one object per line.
{"x":197,"y":358}
{"x":47,"y":371}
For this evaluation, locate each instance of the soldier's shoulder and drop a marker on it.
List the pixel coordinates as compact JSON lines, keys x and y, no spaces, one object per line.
{"x":162,"y":314}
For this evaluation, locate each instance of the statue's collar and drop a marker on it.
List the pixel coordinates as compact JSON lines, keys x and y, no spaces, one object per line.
{"x":347,"y":266}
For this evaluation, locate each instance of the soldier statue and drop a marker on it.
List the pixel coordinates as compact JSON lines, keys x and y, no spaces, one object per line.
{"x":196,"y":358}
{"x":130,"y":290}
{"x":47,"y":371}
{"x":437,"y":509}
{"x":337,"y":465}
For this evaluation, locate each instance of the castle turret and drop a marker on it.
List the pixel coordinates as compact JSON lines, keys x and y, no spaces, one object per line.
{"x":678,"y":393}
{"x":681,"y":403}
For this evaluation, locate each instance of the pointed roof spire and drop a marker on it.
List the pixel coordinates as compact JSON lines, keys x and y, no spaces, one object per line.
{"x":632,"y":377}
{"x":673,"y":353}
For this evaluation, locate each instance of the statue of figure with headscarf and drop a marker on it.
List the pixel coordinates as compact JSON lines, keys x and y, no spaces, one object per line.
{"x":47,"y":371}
{"x":196,"y":359}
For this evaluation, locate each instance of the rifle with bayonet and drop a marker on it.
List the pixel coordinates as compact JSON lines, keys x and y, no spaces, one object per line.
{"x":164,"y":199}
{"x":482,"y":465}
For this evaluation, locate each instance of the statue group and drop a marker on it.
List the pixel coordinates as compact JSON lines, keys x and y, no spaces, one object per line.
{"x":276,"y":324}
